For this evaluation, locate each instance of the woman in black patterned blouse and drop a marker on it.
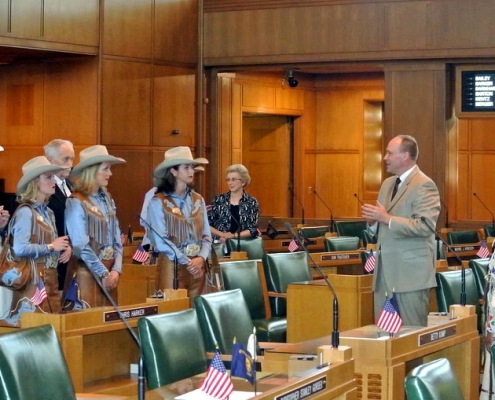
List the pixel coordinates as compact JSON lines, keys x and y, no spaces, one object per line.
{"x":234,"y":208}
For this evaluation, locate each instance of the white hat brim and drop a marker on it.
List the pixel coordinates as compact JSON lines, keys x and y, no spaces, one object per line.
{"x":77,"y":170}
{"x":34,"y":173}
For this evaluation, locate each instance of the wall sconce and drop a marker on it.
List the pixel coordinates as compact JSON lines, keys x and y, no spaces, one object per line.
{"x":293,"y":82}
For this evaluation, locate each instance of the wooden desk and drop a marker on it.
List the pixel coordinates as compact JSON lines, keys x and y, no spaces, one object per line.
{"x":381,"y":363}
{"x":338,"y":380}
{"x":310,"y":306}
{"x":281,"y":245}
{"x":465,"y":251}
{"x":337,"y":262}
{"x":99,"y":353}
{"x":137,"y":282}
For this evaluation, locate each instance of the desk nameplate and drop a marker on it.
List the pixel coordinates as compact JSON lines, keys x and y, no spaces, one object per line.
{"x":305,"y":391}
{"x":137,"y":312}
{"x":460,"y":249}
{"x":340,"y":256}
{"x":437,"y":335}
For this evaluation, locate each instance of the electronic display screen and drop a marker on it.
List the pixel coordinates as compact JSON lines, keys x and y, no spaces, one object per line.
{"x":478,"y":88}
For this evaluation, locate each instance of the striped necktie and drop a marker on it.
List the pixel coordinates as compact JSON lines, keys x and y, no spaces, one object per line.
{"x":396,"y":187}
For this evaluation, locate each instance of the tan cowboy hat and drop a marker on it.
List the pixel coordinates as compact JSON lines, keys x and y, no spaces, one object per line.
{"x":176,"y":156}
{"x":34,"y":168}
{"x":94,"y":155}
{"x":1,"y":148}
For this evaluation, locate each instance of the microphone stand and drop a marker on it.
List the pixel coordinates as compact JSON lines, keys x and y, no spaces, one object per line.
{"x":175,"y":283}
{"x":358,"y":199}
{"x":299,"y":201}
{"x":484,"y":205}
{"x":463,"y":271}
{"x":335,"y":332}
{"x":328,"y":208}
{"x":141,"y":386}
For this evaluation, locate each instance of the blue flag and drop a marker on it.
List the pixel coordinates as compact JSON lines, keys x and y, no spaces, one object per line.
{"x":242,"y":364}
{"x":74,"y":295}
{"x":393,"y":300}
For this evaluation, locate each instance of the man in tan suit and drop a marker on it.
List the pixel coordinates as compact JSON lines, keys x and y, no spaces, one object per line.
{"x":406,"y":246}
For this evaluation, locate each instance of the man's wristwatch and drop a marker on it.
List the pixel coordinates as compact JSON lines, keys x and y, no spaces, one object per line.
{"x":105,"y":275}
{"x":51,"y":247}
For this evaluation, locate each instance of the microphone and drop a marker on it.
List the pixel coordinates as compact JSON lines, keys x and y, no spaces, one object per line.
{"x":175,"y":283}
{"x":358,"y":199}
{"x":335,"y":332}
{"x":446,"y":214}
{"x":328,"y":208}
{"x":299,"y":201}
{"x":463,"y":271}
{"x":141,"y":386}
{"x":484,"y":205}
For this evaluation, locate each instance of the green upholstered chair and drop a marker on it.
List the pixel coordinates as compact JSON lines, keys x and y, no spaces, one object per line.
{"x":479,"y":267}
{"x":280,"y":270}
{"x":351,"y":228}
{"x":218,"y":249}
{"x":489,"y":230}
{"x":434,"y":380}
{"x":448,"y":291}
{"x":463,"y":237}
{"x":311,"y":232}
{"x":223,"y":316}
{"x":440,"y":250}
{"x":368,"y":238}
{"x":342,"y":243}
{"x":32,"y":366}
{"x":244,"y":275}
{"x":252,"y":246}
{"x":172,"y":346}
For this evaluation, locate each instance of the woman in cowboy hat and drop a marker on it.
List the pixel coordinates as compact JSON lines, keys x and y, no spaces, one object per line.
{"x":35,"y":237}
{"x":93,"y":227}
{"x":178,"y":223}
{"x":5,"y":294}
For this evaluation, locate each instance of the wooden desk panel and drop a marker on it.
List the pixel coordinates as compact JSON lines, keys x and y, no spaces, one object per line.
{"x":99,"y":353}
{"x":310,"y":306}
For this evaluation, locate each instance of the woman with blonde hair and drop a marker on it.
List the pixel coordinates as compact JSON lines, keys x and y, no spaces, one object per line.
{"x":92,"y":224}
{"x":33,"y":235}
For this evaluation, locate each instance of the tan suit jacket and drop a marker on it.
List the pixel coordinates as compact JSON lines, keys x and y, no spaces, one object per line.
{"x":406,"y":249}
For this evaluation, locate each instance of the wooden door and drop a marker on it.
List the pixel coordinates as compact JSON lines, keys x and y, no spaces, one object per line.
{"x":266,"y":153}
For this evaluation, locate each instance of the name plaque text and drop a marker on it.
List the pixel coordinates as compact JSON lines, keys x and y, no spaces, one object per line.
{"x":459,"y":249}
{"x":138,"y":312}
{"x":340,"y":256}
{"x":303,"y":392}
{"x":435,"y":336}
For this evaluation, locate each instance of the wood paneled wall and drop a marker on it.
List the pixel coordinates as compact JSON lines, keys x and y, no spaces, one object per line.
{"x":319,"y":31}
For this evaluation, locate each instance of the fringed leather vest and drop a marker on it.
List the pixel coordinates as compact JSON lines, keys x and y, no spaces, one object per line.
{"x":182,"y":229}
{"x":96,"y":221}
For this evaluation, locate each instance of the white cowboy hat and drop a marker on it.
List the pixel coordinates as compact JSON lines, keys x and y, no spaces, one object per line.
{"x":1,"y":148}
{"x":94,"y":155}
{"x":176,"y":156}
{"x":34,"y":168}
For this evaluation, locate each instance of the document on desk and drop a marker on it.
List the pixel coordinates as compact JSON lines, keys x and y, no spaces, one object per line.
{"x":200,"y":395}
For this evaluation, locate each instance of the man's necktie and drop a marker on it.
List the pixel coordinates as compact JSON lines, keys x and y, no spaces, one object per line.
{"x":396,"y":187}
{"x":64,"y":189}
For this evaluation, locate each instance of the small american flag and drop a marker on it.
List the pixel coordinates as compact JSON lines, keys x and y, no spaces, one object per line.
{"x":217,"y":382}
{"x":483,"y":252}
{"x":140,"y":255}
{"x":369,"y":265}
{"x":389,"y":320}
{"x":293,"y":245}
{"x":39,"y":294}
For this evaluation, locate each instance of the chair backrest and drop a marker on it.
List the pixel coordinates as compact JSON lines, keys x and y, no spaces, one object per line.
{"x":448,"y":290}
{"x":310,"y":232}
{"x":342,"y":243}
{"x":351,"y":228}
{"x":244,"y":275}
{"x":434,"y":380}
{"x":480,"y":270}
{"x":223,"y":316}
{"x":254,"y":247}
{"x":368,"y":238}
{"x":172,"y":346}
{"x":489,"y":230}
{"x":439,"y":250}
{"x":461,"y":237}
{"x":32,"y":366}
{"x":282,"y":269}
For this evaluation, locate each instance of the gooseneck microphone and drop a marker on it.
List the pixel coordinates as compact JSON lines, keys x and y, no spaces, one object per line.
{"x":446,"y":214}
{"x":358,"y":199}
{"x":463,"y":271}
{"x":335,"y":332}
{"x":141,"y":385}
{"x":175,"y":283}
{"x":484,"y":205}
{"x":328,"y":208}
{"x":299,"y":201}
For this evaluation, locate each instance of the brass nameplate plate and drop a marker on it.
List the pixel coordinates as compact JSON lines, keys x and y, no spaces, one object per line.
{"x":303,"y":392}
{"x":459,"y":249}
{"x":340,"y":256}
{"x":435,"y":336}
{"x":137,"y":312}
